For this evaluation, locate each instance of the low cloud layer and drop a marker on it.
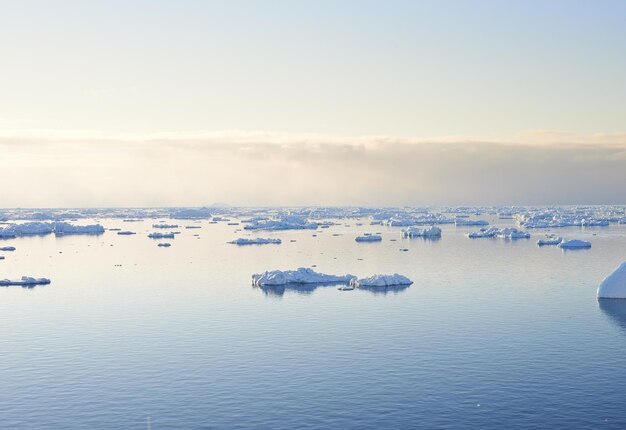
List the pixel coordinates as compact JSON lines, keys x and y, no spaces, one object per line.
{"x":282,"y":169}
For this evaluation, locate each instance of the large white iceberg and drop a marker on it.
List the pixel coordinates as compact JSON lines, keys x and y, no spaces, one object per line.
{"x":369,"y":238}
{"x":257,"y":241}
{"x":432,"y":231}
{"x":24,"y":281}
{"x":381,"y":281}
{"x":614,"y":285}
{"x":300,"y":276}
{"x":574,"y":244}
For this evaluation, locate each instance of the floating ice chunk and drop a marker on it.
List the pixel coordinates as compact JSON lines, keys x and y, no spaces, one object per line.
{"x":512,"y":233}
{"x":381,"y":281}
{"x":26,"y":229}
{"x":550,"y":239}
{"x":574,"y":244}
{"x":1,"y":257}
{"x":432,"y":231}
{"x":24,"y":281}
{"x":63,"y":228}
{"x":287,"y":222}
{"x":369,"y":238}
{"x":484,"y":232}
{"x":7,"y":248}
{"x":614,"y":285}
{"x":157,"y":235}
{"x":170,"y":226}
{"x":126,"y":233}
{"x":164,"y":245}
{"x":257,"y":241}
{"x":192,"y":213}
{"x":300,"y":276}
{"x":346,"y":288}
{"x":470,"y":222}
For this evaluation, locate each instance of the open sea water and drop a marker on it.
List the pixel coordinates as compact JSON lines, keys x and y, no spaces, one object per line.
{"x":492,"y":334}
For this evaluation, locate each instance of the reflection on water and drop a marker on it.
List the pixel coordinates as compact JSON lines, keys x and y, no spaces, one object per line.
{"x":385,"y":290}
{"x":615,"y":309}
{"x":308,"y":289}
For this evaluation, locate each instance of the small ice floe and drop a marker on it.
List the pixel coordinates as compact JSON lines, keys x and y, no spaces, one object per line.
{"x":169,"y":226}
{"x":432,"y":231}
{"x":512,"y":233}
{"x":1,"y":257}
{"x":381,"y":281}
{"x":550,"y":239}
{"x":470,"y":222}
{"x":369,"y":238}
{"x":299,"y":276}
{"x":115,"y":229}
{"x":7,"y":248}
{"x":257,"y":241}
{"x":164,"y":245}
{"x":346,"y":288}
{"x":614,"y":285}
{"x":192,"y":226}
{"x":157,"y":235}
{"x":574,"y":244}
{"x":24,"y":281}
{"x":126,"y":233}
{"x":63,"y":228}
{"x":484,"y":232}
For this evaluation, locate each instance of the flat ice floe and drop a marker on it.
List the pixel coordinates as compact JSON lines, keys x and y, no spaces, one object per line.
{"x":157,"y":235}
{"x":614,"y":285}
{"x":126,"y":233}
{"x":484,"y":232}
{"x":381,"y":281}
{"x":299,"y":276}
{"x":25,"y":281}
{"x":574,"y":244}
{"x":369,"y":238}
{"x":551,"y":239}
{"x":164,"y":245}
{"x":169,"y":226}
{"x":257,"y":241}
{"x":7,"y":248}
{"x":63,"y":228}
{"x":432,"y":231}
{"x":470,"y":222}
{"x":512,"y":233}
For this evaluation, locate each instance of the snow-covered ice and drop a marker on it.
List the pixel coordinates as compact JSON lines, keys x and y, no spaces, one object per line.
{"x":299,"y":276}
{"x":63,"y":228}
{"x":614,"y":285}
{"x":432,"y":231}
{"x":24,"y":281}
{"x":550,"y":239}
{"x":574,"y":244}
{"x":381,"y":281}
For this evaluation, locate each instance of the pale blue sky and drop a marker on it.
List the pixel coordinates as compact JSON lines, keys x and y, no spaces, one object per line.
{"x":400,"y":68}
{"x":106,"y":103}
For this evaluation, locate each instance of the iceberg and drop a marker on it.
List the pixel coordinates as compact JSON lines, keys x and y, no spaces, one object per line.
{"x":170,"y":226}
{"x":512,"y":233}
{"x":614,"y":285}
{"x":432,"y":231}
{"x":157,"y":235}
{"x":7,"y":248}
{"x":126,"y":233}
{"x":192,"y":213}
{"x":470,"y":222}
{"x":257,"y":241}
{"x":287,"y":222}
{"x":369,"y":238}
{"x":550,"y":239}
{"x":164,"y":245}
{"x":26,"y":229}
{"x":484,"y":232}
{"x":299,"y":276}
{"x":574,"y":244}
{"x":63,"y":228}
{"x":381,"y":281}
{"x":25,"y":281}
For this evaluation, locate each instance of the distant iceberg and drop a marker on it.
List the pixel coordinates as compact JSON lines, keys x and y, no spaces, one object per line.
{"x":432,"y":231}
{"x":191,"y":213}
{"x":286,"y":222}
{"x":157,"y":235}
{"x":164,"y":245}
{"x":550,"y":239}
{"x":25,"y":281}
{"x":614,"y":285}
{"x":470,"y":222}
{"x":170,"y":226}
{"x":512,"y":233}
{"x":484,"y":232}
{"x":369,"y":238}
{"x":7,"y":248}
{"x":381,"y":281}
{"x":257,"y":241}
{"x":63,"y":228}
{"x":26,"y":229}
{"x":299,"y":276}
{"x":575,"y":244}
{"x":126,"y":233}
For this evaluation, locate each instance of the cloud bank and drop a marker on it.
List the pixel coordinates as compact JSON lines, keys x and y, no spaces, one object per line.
{"x":258,"y":168}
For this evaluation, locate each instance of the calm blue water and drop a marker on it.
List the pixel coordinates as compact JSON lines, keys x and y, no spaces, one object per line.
{"x":492,"y":334}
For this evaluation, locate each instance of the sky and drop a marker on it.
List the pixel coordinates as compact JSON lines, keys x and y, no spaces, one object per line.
{"x":160,"y":103}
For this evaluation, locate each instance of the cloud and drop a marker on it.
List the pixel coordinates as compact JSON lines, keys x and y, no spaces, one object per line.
{"x":260,"y":168}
